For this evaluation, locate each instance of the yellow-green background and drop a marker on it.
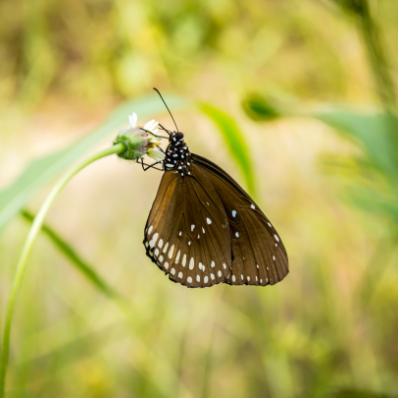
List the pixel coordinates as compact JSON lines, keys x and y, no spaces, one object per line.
{"x":331,"y":325}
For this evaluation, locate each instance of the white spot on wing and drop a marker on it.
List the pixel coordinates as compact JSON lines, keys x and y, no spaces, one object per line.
{"x":233,"y":278}
{"x":252,"y":206}
{"x":206,"y":279}
{"x":180,"y":233}
{"x":184,"y":260}
{"x":166,"y":247}
{"x":241,"y":277}
{"x":219,"y":273}
{"x":237,"y":234}
{"x":161,"y":258}
{"x":273,"y":257}
{"x":270,"y":224}
{"x":180,"y":274}
{"x":192,"y":227}
{"x":154,"y":239}
{"x":191,"y":263}
{"x":189,"y":279}
{"x":189,"y":243}
{"x":225,"y":266}
{"x":150,"y":229}
{"x":276,"y":237}
{"x":171,"y":252}
{"x":177,"y":257}
{"x":213,"y":264}
{"x":156,"y":252}
{"x":203,"y":230}
{"x":212,"y":276}
{"x":248,"y":278}
{"x":172,"y":271}
{"x":160,"y":244}
{"x":233,"y":213}
{"x":208,"y":220}
{"x":166,"y":265}
{"x":198,"y":278}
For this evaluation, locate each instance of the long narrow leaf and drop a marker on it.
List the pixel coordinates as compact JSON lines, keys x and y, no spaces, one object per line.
{"x":41,"y":171}
{"x":374,"y":130}
{"x":75,"y":259}
{"x":234,"y":139}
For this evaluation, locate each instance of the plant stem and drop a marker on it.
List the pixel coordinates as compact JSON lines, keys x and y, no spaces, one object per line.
{"x":34,"y":230}
{"x":377,"y":58}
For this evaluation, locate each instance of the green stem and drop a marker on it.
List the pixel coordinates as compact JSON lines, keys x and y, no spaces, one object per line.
{"x":35,"y":229}
{"x":377,"y":58}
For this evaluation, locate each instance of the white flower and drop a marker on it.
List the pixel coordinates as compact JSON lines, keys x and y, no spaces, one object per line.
{"x":152,"y":126}
{"x":150,"y":142}
{"x":155,"y":153}
{"x":133,"y":120}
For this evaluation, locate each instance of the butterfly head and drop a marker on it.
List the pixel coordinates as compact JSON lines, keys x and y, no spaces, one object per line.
{"x":176,"y":137}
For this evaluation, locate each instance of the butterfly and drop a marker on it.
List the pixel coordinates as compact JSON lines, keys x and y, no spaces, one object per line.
{"x":204,"y":229}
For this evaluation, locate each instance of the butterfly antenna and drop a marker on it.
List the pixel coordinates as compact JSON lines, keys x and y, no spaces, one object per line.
{"x":160,"y":95}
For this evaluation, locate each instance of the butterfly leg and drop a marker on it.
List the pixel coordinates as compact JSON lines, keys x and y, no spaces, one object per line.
{"x":164,"y":129}
{"x":149,"y":166}
{"x":155,"y":135}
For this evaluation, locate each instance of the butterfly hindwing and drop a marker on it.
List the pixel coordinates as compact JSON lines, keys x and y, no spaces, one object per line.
{"x":259,"y":256}
{"x":187,"y":233}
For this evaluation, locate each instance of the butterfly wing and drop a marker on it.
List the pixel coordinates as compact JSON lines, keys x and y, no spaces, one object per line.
{"x":259,"y":256}
{"x":187,"y":234}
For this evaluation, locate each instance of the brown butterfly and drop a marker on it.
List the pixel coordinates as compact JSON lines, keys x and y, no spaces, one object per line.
{"x":204,"y":229}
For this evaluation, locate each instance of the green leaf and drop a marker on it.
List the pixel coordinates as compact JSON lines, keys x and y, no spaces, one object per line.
{"x":75,"y":259}
{"x":377,"y":133}
{"x":234,"y":139}
{"x":260,"y":108}
{"x":41,"y":171}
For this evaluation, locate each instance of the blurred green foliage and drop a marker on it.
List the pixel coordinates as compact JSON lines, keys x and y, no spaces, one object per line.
{"x":329,"y":329}
{"x":15,"y":197}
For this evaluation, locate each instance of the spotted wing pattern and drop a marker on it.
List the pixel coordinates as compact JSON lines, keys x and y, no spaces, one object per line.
{"x":187,"y":234}
{"x":259,"y":256}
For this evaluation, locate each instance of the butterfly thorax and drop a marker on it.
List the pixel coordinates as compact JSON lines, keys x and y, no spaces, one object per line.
{"x":178,"y":157}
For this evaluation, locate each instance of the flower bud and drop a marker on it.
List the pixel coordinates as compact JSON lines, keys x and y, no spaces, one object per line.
{"x":138,"y":142}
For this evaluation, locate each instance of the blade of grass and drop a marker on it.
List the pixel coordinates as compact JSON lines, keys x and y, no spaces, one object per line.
{"x":75,"y":259}
{"x":41,"y":171}
{"x":36,"y":226}
{"x":234,"y":139}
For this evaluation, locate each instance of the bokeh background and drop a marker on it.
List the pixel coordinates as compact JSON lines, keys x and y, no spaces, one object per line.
{"x":330,"y":329}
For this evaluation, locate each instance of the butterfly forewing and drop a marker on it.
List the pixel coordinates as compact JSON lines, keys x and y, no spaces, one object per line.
{"x":187,"y":233}
{"x":204,"y":229}
{"x":259,"y":257}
